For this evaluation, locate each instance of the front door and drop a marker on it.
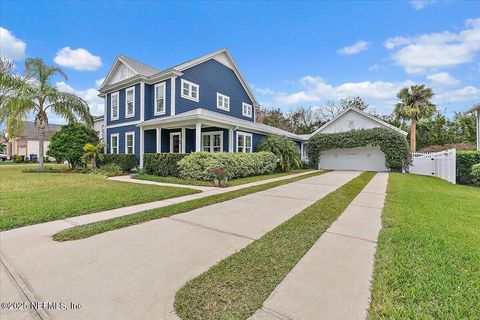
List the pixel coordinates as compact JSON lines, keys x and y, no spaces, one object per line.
{"x":176,"y":143}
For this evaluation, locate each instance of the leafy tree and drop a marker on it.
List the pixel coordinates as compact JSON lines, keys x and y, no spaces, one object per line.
{"x":93,"y":153}
{"x":415,"y":105}
{"x":67,"y":144}
{"x":33,"y":93}
{"x":303,"y":120}
{"x":273,"y":117}
{"x":283,"y":148}
{"x":353,"y":102}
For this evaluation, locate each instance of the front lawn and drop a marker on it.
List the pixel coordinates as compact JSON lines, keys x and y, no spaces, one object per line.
{"x":29,"y":198}
{"x":238,"y":285}
{"x":428,"y":257}
{"x":232,"y":183}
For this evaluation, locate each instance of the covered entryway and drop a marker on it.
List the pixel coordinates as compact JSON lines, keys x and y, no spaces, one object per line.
{"x":364,"y":159}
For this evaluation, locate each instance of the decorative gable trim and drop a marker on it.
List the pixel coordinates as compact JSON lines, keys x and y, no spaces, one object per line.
{"x":119,"y":61}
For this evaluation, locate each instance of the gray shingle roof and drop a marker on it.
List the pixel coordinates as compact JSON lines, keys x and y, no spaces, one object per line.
{"x":140,"y":67}
{"x":30,"y":132}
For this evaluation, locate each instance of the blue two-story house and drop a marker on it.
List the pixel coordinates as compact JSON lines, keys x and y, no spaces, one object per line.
{"x":201,"y":105}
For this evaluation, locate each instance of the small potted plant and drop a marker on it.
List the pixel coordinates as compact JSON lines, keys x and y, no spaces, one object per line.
{"x":134,"y":172}
{"x":220,"y":179}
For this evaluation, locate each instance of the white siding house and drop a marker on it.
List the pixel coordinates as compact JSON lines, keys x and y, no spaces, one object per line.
{"x":476,"y":110}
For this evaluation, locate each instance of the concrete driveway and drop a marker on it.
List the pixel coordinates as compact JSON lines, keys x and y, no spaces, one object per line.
{"x":134,"y":273}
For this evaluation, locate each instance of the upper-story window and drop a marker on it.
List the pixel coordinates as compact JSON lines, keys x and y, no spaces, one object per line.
{"x":160,"y":98}
{"x":223,"y":102}
{"x":114,"y":143}
{"x":244,"y":142}
{"x":190,"y":90}
{"x":130,"y":102}
{"x":247,"y":110}
{"x":114,"y":106}
{"x":130,"y":142}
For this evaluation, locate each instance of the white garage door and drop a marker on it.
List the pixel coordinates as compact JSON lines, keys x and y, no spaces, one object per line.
{"x":365,"y":159}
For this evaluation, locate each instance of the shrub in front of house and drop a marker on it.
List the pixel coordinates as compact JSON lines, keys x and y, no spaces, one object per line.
{"x":162,"y":164}
{"x":125,"y":161}
{"x":110,"y":170}
{"x":476,"y":173}
{"x":465,"y":161}
{"x":202,"y":165}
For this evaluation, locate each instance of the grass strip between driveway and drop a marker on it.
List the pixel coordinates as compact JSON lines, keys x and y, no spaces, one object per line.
{"x":427,"y":264}
{"x":91,"y":229}
{"x":238,"y":285}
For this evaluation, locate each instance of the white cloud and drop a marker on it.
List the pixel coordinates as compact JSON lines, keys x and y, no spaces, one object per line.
{"x":78,"y":59}
{"x":443,"y":79}
{"x":431,"y":51}
{"x":11,"y":48}
{"x":357,"y":47}
{"x":466,"y":94}
{"x":420,"y":4}
{"x":99,"y":82}
{"x":374,"y":67}
{"x":265,"y":91}
{"x":95,"y":103}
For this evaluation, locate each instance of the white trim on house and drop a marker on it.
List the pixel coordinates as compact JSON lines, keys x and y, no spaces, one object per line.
{"x":117,"y":95}
{"x":189,"y":94}
{"x":247,"y":110}
{"x":173,"y":81}
{"x":476,"y":111}
{"x":180,"y":147}
{"x":130,"y":115}
{"x":164,"y":98}
{"x":127,"y":134}
{"x":223,"y":102}
{"x":105,"y":148}
{"x":244,"y":145}
{"x":211,"y":146}
{"x":129,"y":123}
{"x":142,"y":101}
{"x":117,"y":144}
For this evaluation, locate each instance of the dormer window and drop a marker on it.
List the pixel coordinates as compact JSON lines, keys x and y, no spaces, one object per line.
{"x":114,"y":106}
{"x":190,"y":90}
{"x":247,"y":110}
{"x":223,"y":102}
{"x":130,"y":102}
{"x":160,"y":98}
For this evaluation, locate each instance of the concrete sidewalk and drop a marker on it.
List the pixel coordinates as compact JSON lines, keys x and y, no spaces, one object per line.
{"x":135,"y":272}
{"x":332,"y":281}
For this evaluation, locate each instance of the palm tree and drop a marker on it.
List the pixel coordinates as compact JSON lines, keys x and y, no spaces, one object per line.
{"x":92,"y":153}
{"x":34,"y":95}
{"x":415,"y":105}
{"x":285,"y":149}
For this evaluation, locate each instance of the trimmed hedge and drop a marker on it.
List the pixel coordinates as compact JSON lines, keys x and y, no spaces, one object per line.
{"x":201,"y":165}
{"x":393,"y":145}
{"x":162,"y":164}
{"x":465,"y":161}
{"x":125,"y":161}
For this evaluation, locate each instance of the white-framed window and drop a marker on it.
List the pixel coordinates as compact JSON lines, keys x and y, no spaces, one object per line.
{"x":212,"y":141}
{"x":114,"y":106}
{"x":114,"y":143}
{"x":244,"y":142}
{"x":247,"y":110}
{"x":223,"y":102}
{"x":190,"y":90}
{"x":160,"y":98}
{"x":129,"y":142}
{"x":130,"y":102}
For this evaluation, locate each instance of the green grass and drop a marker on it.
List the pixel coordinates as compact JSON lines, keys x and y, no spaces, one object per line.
{"x":232,"y":183}
{"x":428,"y":257}
{"x":91,"y":229}
{"x":29,"y":198}
{"x":237,"y":286}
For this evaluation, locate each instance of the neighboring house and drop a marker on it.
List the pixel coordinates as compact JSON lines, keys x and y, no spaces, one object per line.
{"x":201,"y":105}
{"x":476,"y":110}
{"x":99,"y":126}
{"x":26,"y":142}
{"x":365,"y":158}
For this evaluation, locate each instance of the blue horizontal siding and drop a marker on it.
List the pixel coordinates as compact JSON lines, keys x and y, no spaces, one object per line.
{"x":150,"y":100}
{"x":121,"y":106}
{"x":121,"y":138}
{"x":212,"y":77}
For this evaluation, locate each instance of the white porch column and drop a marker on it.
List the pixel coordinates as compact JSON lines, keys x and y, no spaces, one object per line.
{"x":159,"y":140}
{"x":198,"y":137}
{"x":302,"y":156}
{"x":230,"y":140}
{"x":142,"y":142}
{"x":183,"y":139}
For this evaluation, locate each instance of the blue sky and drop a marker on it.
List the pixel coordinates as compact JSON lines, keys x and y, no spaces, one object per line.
{"x":291,"y":53}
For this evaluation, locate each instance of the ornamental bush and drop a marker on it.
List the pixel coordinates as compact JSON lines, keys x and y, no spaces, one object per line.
{"x":476,"y":173}
{"x":162,"y":164}
{"x":201,"y":165}
{"x":393,"y":145}
{"x":465,"y":161}
{"x":125,"y":161}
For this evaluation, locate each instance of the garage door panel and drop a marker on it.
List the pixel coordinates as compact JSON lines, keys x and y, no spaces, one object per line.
{"x":365,"y":159}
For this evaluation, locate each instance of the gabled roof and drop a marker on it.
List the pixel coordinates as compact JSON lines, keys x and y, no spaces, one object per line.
{"x":366,"y":114}
{"x":151,"y":74}
{"x":30,"y":132}
{"x":475,"y":107}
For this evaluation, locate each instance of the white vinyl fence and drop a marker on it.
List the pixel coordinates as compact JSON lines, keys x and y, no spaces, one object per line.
{"x":439,"y":164}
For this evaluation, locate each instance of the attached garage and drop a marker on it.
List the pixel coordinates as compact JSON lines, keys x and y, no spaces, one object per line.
{"x":368,"y":158}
